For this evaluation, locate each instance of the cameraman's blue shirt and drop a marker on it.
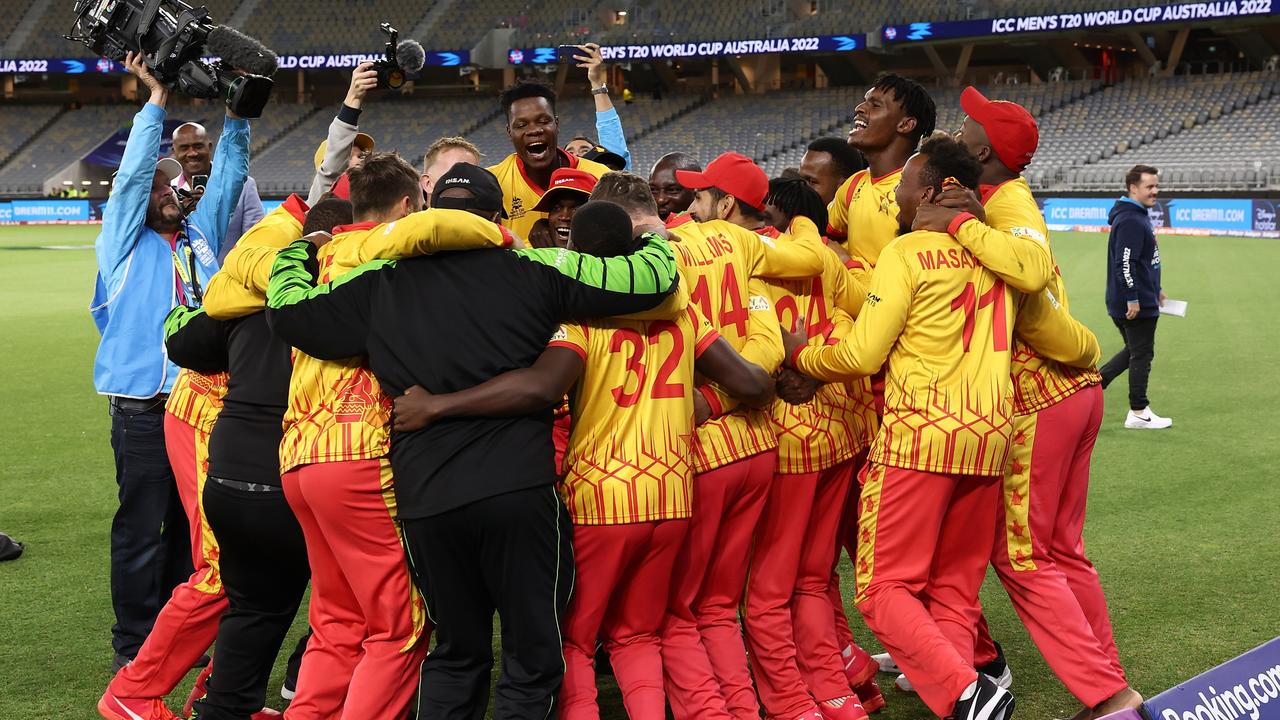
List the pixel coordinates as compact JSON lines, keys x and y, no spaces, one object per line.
{"x":140,"y":275}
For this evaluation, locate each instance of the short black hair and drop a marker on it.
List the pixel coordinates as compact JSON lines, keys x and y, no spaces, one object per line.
{"x":795,"y":197}
{"x":327,"y":214}
{"x":526,"y":89}
{"x":747,"y":211}
{"x":948,"y":158}
{"x":603,"y":229}
{"x":679,"y":161}
{"x":915,"y":100}
{"x":848,"y":160}
{"x":1134,"y":176}
{"x":380,"y":181}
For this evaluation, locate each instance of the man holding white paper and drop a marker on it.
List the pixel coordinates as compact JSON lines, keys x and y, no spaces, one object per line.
{"x":1134,"y":295}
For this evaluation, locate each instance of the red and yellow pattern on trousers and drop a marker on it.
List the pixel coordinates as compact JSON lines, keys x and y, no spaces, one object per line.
{"x":369,"y":630}
{"x":188,"y":623}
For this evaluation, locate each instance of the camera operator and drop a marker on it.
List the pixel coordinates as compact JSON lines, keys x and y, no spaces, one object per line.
{"x":346,"y":146}
{"x":150,"y":259}
{"x":193,"y":150}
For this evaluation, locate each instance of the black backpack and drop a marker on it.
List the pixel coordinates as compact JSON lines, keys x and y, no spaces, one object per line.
{"x":10,"y":549}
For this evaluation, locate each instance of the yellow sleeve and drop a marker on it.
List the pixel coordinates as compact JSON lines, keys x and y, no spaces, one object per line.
{"x":240,"y":287}
{"x":1018,"y":254}
{"x":838,"y":211}
{"x":848,"y":286}
{"x":674,"y":304}
{"x":863,"y":351}
{"x":1051,"y":331}
{"x":763,"y":344}
{"x":423,"y":233}
{"x":795,"y":255}
{"x":573,"y":337}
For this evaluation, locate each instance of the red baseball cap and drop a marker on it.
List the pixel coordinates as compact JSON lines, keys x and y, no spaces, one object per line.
{"x":565,"y":180}
{"x":1010,"y":128}
{"x":735,"y":174}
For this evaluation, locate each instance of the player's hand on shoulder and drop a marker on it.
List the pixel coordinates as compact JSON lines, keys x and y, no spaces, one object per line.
{"x":962,"y":199}
{"x":414,"y":410}
{"x":318,"y":238}
{"x":932,"y":217}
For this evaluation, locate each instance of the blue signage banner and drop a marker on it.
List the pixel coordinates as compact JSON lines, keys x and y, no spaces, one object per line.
{"x":1246,"y":687}
{"x":6,"y":212}
{"x":85,"y":66}
{"x":1196,"y":216}
{"x":667,"y":51}
{"x":44,"y":211}
{"x":1098,"y":19}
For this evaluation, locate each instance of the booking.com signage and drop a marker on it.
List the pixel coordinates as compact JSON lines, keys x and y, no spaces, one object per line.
{"x":1187,"y":216}
{"x":670,"y":51}
{"x":45,"y":211}
{"x":1246,"y":687}
{"x":1098,"y":19}
{"x":82,"y":66}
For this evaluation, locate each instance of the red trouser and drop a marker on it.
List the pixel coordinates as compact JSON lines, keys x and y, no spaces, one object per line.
{"x":787,"y":613}
{"x":921,"y":560}
{"x":623,"y":576}
{"x":1039,"y":550}
{"x":367,"y":620}
{"x":188,"y":622}
{"x":703,"y":657}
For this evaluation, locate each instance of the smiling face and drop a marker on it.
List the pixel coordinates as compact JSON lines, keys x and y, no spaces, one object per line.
{"x":669,"y":195}
{"x":560,"y":216}
{"x":192,"y":148}
{"x":876,"y":120}
{"x":1146,"y":190}
{"x":534,"y":132}
{"x":164,"y":215}
{"x":707,"y":207}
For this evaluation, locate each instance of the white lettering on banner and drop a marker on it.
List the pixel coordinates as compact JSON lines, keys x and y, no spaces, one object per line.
{"x":707,"y":49}
{"x":1131,"y":16}
{"x":1183,"y":214}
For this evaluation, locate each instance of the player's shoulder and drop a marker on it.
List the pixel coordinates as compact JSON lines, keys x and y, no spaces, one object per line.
{"x":503,"y":166}
{"x":850,"y":186}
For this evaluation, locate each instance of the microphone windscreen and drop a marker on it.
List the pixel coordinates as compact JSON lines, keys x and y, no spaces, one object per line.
{"x":241,"y":51}
{"x":410,"y":56}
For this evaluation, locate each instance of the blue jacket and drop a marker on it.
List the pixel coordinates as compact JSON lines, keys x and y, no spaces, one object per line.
{"x":1133,"y":261}
{"x":609,"y":130}
{"x":137,"y":280}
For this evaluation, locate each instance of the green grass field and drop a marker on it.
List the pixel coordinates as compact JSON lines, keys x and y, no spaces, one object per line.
{"x":1184,"y":525}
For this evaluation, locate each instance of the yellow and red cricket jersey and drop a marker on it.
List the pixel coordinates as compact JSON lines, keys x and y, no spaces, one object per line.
{"x":196,"y":398}
{"x":864,"y":215}
{"x":840,"y":419}
{"x":945,"y":324}
{"x":719,"y":262}
{"x":239,"y":287}
{"x":520,"y":194}
{"x":629,"y":447}
{"x":337,"y":410}
{"x":1037,"y":381}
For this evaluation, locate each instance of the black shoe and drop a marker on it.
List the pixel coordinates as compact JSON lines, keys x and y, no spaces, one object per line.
{"x":118,"y":662}
{"x":10,"y":549}
{"x":201,"y":662}
{"x":988,"y":702}
{"x":998,"y":670}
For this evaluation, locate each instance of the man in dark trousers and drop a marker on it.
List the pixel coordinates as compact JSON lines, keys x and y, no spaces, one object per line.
{"x":483,"y":527}
{"x":1134,"y":296}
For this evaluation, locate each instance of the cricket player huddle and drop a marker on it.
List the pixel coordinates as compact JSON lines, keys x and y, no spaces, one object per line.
{"x":638,"y":419}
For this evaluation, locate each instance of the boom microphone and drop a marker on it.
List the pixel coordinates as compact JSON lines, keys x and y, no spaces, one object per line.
{"x":410,"y":56}
{"x":242,"y":52}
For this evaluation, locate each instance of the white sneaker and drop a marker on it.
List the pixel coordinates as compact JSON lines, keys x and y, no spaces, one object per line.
{"x":886,"y":663}
{"x":1146,"y":420}
{"x":904,"y":684}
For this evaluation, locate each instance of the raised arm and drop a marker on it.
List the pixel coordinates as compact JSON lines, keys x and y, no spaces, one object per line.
{"x":212,"y":215}
{"x":608,"y":124}
{"x":126,"y":211}
{"x":863,"y":351}
{"x":329,"y":321}
{"x":342,"y":133}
